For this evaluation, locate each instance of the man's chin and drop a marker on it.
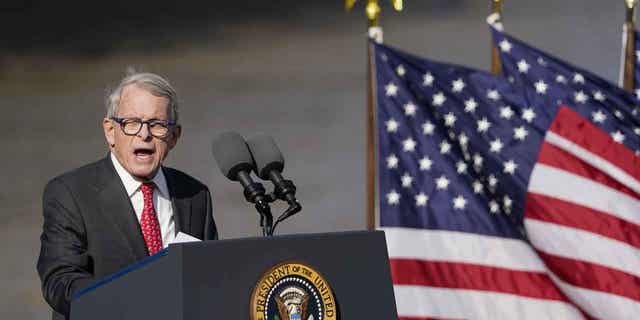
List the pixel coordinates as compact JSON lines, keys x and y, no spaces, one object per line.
{"x":144,"y":172}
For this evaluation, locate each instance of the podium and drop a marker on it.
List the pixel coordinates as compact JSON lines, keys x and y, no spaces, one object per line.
{"x":216,"y":280}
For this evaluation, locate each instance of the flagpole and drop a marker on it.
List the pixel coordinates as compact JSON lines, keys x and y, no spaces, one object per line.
{"x":496,"y":68}
{"x":629,"y":30}
{"x":374,"y":31}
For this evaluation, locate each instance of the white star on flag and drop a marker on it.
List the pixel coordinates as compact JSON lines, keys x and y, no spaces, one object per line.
{"x":505,"y":46}
{"x":541,"y":87}
{"x":427,"y":128}
{"x":391,"y":90}
{"x":406,"y":180}
{"x":445,"y":147}
{"x":506,"y":112}
{"x":599,"y":96}
{"x":392,"y":161}
{"x":392,"y":125}
{"x":461,"y":167}
{"x":580,"y":97}
{"x":598,"y":116}
{"x":523,"y":66}
{"x":459,"y":202}
{"x":520,"y":133}
{"x":618,"y":136}
{"x":494,"y":207}
{"x":427,"y":79}
{"x":477,"y":187}
{"x":438,"y":99}
{"x":528,"y":114}
{"x":421,"y":199}
{"x":449,"y":119}
{"x":457,"y":85}
{"x":393,"y":197}
{"x":409,"y":145}
{"x":510,"y":167}
{"x":541,"y":62}
{"x":493,"y":95}
{"x":470,"y":105}
{"x":425,"y":164}
{"x":618,"y":114}
{"x":561,"y":79}
{"x":410,"y":109}
{"x":507,"y":202}
{"x":493,"y":181}
{"x":477,"y":160}
{"x":636,"y":130}
{"x":578,"y":78}
{"x":463,"y":140}
{"x":400,"y":70}
{"x":442,"y":183}
{"x":496,"y":145}
{"x":483,"y":125}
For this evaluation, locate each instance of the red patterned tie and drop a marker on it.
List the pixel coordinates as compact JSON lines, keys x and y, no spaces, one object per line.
{"x":149,"y":221}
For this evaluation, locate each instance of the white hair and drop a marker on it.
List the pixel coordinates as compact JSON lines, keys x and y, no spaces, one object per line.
{"x":156,"y":84}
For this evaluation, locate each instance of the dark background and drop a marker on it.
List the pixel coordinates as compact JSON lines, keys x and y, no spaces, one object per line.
{"x":292,"y":69}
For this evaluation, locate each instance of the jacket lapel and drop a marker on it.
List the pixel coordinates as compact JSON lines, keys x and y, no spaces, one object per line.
{"x":116,"y":205}
{"x":181,"y":204}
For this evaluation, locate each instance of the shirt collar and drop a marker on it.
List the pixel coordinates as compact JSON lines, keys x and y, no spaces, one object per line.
{"x":131,"y":184}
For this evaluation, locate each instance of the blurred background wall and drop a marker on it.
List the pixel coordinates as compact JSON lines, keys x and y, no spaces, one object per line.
{"x":292,"y":69}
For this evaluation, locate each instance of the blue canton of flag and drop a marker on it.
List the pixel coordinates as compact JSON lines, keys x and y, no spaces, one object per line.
{"x":548,"y":82}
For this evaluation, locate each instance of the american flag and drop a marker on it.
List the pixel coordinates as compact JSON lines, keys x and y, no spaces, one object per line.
{"x":504,"y":197}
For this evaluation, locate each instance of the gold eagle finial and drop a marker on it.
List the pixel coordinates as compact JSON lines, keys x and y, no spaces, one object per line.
{"x":631,"y":9}
{"x":373,"y":8}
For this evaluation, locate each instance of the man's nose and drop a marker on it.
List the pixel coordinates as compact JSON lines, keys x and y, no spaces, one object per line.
{"x":145,"y":132}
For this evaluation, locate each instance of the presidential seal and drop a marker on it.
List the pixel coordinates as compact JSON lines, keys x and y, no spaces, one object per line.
{"x":293,"y":291}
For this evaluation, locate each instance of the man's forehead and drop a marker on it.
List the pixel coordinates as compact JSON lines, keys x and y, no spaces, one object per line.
{"x":136,"y":99}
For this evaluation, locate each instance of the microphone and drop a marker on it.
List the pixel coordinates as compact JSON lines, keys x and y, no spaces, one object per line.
{"x":269,"y":164}
{"x":234,"y":160}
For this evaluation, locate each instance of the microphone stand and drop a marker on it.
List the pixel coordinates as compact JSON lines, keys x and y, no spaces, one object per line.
{"x":255,"y":193}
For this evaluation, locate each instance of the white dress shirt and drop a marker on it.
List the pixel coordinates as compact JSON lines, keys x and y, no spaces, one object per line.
{"x":161,"y":200}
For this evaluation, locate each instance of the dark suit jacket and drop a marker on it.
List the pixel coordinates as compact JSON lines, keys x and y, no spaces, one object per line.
{"x":91,"y":230}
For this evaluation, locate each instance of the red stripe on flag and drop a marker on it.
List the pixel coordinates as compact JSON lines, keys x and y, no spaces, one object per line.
{"x":474,"y":277}
{"x":549,"y":209}
{"x":593,"y":276}
{"x":553,"y":156}
{"x":570,"y":125}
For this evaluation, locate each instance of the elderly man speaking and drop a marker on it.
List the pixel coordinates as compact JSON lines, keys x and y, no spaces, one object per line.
{"x":108,"y":214}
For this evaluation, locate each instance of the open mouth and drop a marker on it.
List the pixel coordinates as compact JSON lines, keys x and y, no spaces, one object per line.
{"x":143,"y":153}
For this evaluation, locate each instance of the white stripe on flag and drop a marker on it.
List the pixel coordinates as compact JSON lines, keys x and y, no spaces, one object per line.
{"x":452,"y":246}
{"x":594,"y":160}
{"x":599,"y":304}
{"x":419,"y":301}
{"x":553,"y":182}
{"x":583,"y":245}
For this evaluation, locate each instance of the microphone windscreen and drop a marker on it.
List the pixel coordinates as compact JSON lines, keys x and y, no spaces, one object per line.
{"x":266,"y":155}
{"x":232,"y":155}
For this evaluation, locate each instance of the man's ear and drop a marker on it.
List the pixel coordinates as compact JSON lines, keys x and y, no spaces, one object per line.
{"x":173,"y":140}
{"x":109,"y":132}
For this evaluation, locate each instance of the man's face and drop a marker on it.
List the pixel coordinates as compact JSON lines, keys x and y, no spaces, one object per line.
{"x":141,"y":154}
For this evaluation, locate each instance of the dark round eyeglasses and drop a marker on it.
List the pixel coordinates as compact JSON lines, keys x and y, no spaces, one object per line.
{"x":132,"y":126}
